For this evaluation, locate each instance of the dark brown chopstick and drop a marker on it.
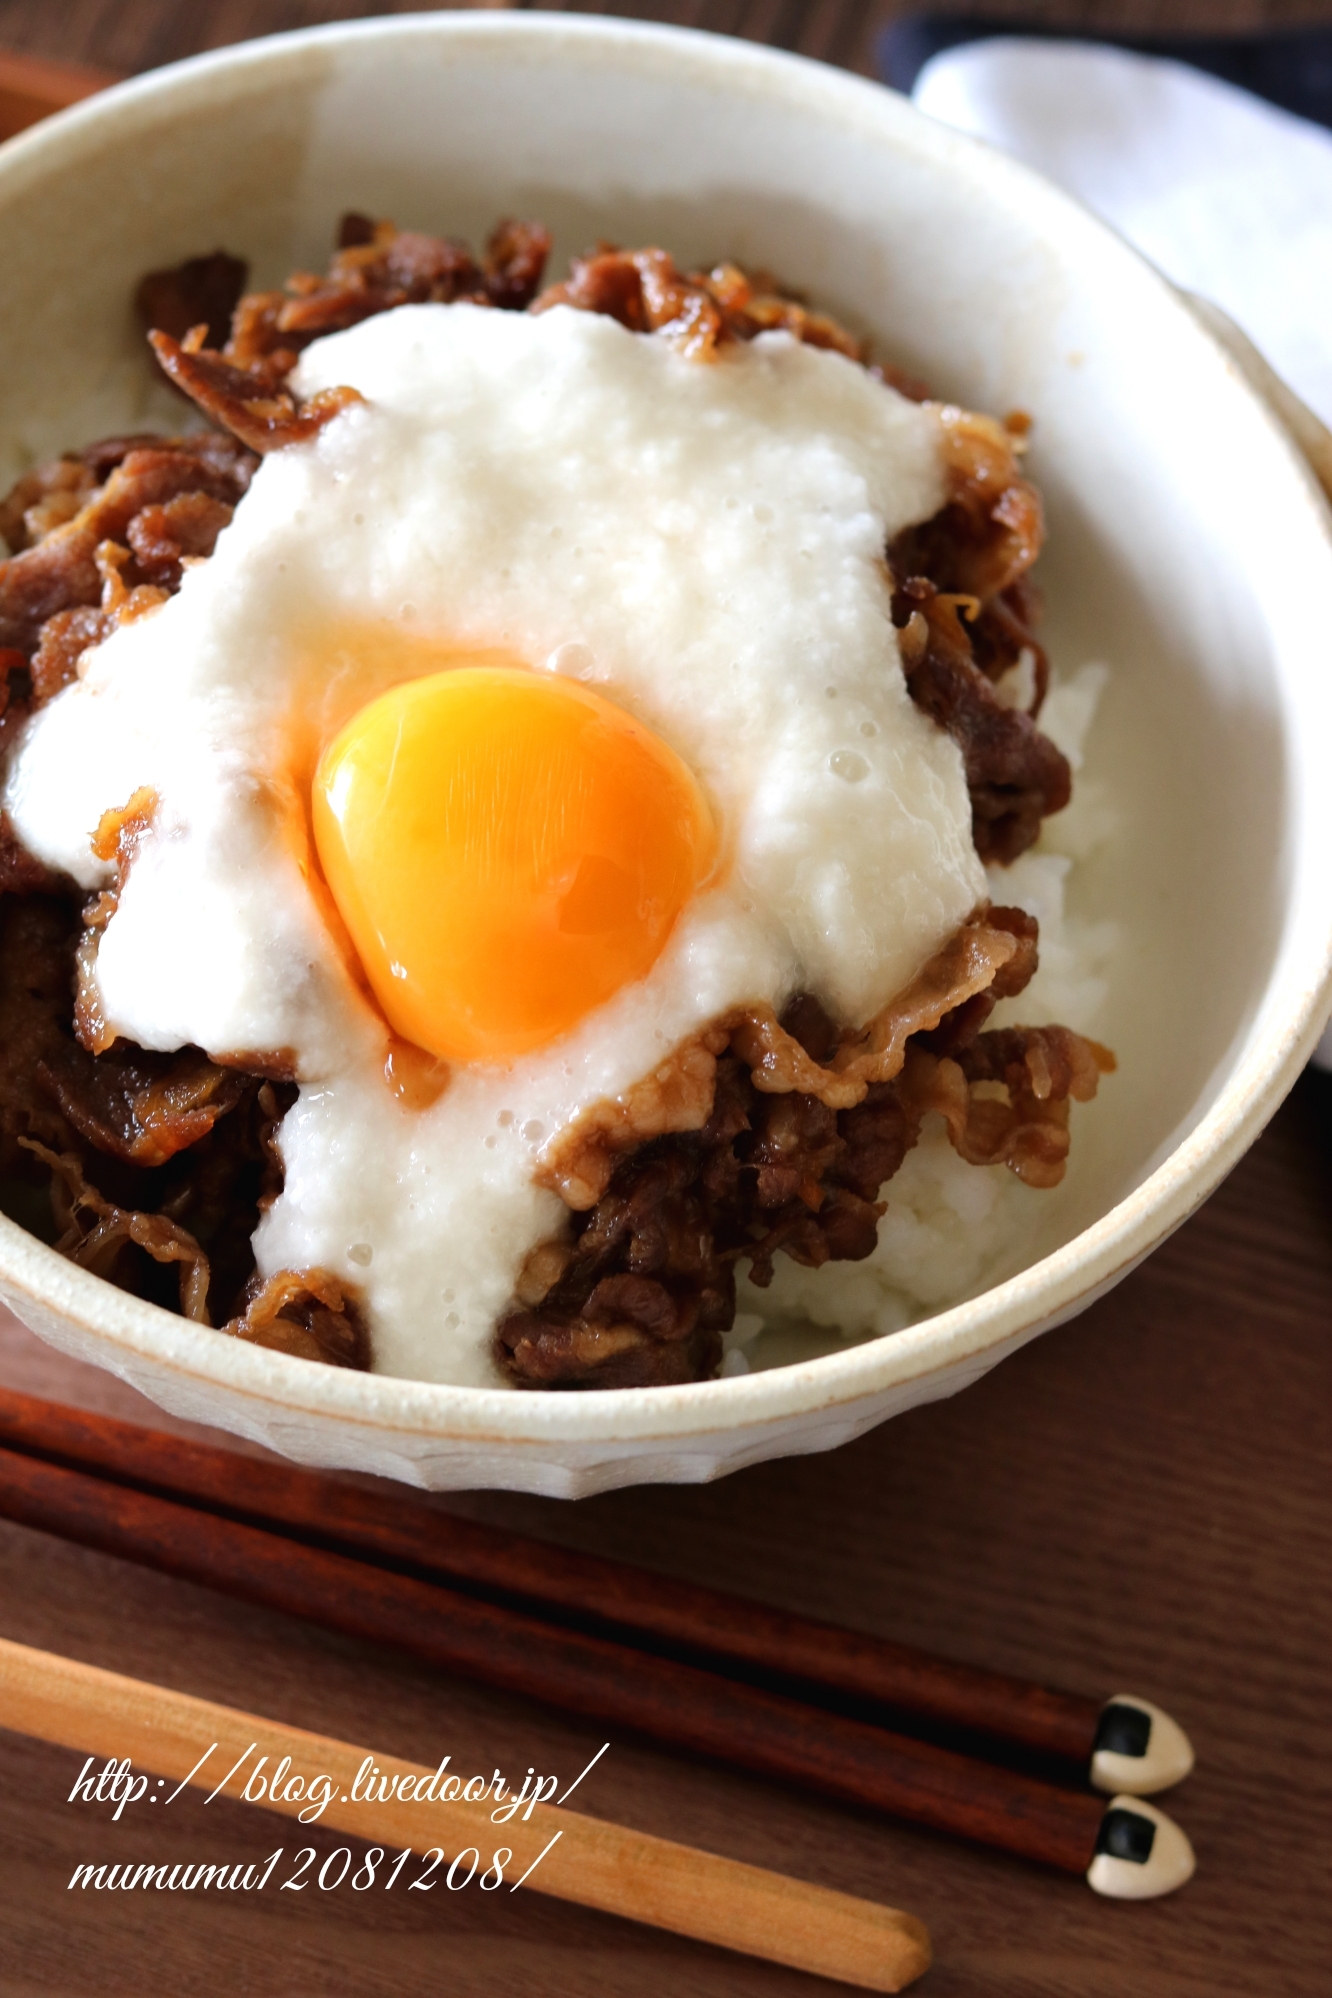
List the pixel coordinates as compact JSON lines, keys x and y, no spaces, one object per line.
{"x":676,"y":1703}
{"x":701,"y":1625}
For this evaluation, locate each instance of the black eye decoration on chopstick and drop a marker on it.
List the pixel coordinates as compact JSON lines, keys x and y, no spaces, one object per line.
{"x":1138,"y":1748}
{"x":1140,"y":1853}
{"x":779,"y":1695}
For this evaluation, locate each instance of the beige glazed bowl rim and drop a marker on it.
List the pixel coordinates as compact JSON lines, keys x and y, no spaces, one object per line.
{"x":1054,"y":1287}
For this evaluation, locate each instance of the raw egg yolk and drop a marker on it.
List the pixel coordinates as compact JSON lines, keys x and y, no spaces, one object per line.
{"x":507,"y":849}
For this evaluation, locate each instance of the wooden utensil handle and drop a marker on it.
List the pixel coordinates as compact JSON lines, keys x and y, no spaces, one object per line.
{"x":755,"y":1730}
{"x":596,"y":1864}
{"x":784,"y":1651}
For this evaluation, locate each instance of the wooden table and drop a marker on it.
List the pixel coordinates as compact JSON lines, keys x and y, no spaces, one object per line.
{"x":1137,"y":1502}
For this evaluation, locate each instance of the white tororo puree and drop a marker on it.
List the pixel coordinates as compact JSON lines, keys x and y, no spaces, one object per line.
{"x":702,"y":542}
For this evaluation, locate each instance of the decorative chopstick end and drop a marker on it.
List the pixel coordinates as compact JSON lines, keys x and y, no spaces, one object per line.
{"x":1140,"y":1853}
{"x":1139,"y":1749}
{"x":912,"y":1954}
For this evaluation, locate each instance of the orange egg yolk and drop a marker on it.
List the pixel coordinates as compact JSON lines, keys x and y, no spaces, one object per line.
{"x":507,"y":849}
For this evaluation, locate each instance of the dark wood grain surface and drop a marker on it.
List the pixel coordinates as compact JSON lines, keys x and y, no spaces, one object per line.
{"x":139,"y":34}
{"x":1137,"y":1502}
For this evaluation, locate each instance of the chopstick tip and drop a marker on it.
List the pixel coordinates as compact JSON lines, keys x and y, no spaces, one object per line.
{"x":915,"y":1960}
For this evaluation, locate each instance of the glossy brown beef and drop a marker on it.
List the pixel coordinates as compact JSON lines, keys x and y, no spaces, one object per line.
{"x":158,"y":1166}
{"x":642,"y":1287}
{"x":168,"y":1138}
{"x":1015,"y":775}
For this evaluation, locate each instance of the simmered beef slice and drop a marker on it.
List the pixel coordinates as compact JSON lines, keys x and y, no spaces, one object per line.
{"x":699,"y":311}
{"x":967,"y":612}
{"x":647,"y":1285}
{"x":176,"y":493}
{"x":309,"y":1314}
{"x":203,"y":291}
{"x":375,"y":268}
{"x":1015,"y":775}
{"x":260,"y":413}
{"x":37,"y":938}
{"x":136,"y":1137}
{"x":642,"y":1286}
{"x":136,"y":1105}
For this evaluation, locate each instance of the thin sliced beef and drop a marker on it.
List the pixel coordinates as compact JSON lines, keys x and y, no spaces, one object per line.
{"x":263,"y":416}
{"x":700,"y":312}
{"x":60,"y":571}
{"x":156,"y":1137}
{"x":1015,"y":775}
{"x":640,"y":1289}
{"x":375,"y":268}
{"x":137,"y":1105}
{"x":203,"y":291}
{"x":307,"y":1313}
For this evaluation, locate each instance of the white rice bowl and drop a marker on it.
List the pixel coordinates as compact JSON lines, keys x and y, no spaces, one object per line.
{"x":1189,"y":547}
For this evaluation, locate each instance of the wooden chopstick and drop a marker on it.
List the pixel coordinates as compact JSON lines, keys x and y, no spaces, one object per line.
{"x":595,"y":1863}
{"x":767,"y":1733}
{"x":785,"y":1652}
{"x":31,"y":89}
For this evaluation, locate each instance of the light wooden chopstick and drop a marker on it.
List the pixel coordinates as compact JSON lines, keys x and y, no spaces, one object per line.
{"x":595,"y":1863}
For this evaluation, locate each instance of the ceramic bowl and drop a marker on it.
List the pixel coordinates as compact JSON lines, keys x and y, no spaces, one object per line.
{"x":1189,"y":547}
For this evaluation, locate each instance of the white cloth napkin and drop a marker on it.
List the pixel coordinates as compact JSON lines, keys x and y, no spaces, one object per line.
{"x":1229,"y":196}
